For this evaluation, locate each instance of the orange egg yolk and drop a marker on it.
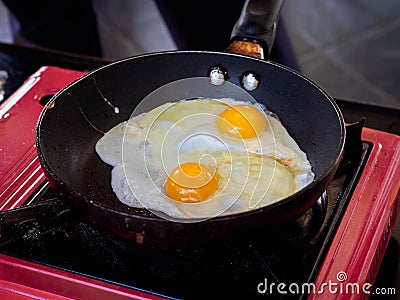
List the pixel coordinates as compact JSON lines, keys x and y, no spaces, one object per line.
{"x":242,"y":121}
{"x":191,"y":182}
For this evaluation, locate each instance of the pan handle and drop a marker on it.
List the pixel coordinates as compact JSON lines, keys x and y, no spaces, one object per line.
{"x":254,"y":32}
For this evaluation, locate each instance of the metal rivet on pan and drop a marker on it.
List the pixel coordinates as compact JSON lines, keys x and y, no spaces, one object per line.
{"x":250,"y":80}
{"x":218,"y":75}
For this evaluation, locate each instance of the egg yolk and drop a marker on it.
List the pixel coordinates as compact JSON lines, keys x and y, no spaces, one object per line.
{"x":242,"y":121}
{"x":191,"y":182}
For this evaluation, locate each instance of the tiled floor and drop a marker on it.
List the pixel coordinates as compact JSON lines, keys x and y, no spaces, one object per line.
{"x":350,"y":48}
{"x":131,"y":27}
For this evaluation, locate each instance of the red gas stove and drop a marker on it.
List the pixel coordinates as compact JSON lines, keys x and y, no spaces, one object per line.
{"x":336,"y":248}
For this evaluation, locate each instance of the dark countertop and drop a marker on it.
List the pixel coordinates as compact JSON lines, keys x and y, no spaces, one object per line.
{"x":20,"y":62}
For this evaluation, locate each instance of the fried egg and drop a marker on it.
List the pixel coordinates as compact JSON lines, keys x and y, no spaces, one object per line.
{"x":201,"y":158}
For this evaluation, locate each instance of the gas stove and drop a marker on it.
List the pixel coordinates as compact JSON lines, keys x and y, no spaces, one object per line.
{"x":335,"y":248}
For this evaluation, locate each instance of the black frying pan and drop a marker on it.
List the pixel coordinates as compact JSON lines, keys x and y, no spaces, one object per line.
{"x":70,"y":126}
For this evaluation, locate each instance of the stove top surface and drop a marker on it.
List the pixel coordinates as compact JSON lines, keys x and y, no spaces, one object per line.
{"x":247,"y":266}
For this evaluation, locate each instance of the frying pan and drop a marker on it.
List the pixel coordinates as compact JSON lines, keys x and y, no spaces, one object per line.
{"x":74,"y":119}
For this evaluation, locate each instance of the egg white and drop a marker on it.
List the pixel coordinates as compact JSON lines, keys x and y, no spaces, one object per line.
{"x":252,"y":172}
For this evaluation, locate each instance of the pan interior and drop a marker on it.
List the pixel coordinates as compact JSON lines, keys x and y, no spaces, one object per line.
{"x":68,"y":131}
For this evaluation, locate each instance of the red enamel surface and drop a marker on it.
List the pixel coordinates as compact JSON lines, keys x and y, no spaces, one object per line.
{"x":21,"y":279}
{"x":20,"y":172}
{"x":364,"y":231}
